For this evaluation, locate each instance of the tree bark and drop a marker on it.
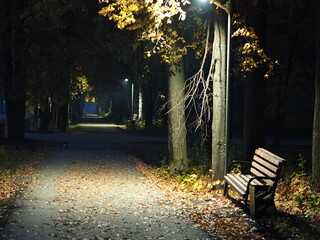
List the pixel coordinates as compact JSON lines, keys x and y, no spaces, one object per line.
{"x":63,"y":117}
{"x":62,"y":108}
{"x":316,"y":118}
{"x":15,"y":118}
{"x":140,"y":104}
{"x":219,"y":95}
{"x":253,"y":123}
{"x":177,"y":132}
{"x":253,"y":132}
{"x":148,"y":106}
{"x":44,"y":116}
{"x":14,"y":70}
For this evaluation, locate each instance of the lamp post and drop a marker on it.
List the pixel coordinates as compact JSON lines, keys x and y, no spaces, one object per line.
{"x":227,"y":8}
{"x":132,"y":92}
{"x":228,"y":85}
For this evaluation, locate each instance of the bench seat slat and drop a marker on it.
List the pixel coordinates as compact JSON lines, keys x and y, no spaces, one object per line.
{"x":241,"y":178}
{"x":240,"y":182}
{"x":236,"y":184}
{"x":255,"y":181}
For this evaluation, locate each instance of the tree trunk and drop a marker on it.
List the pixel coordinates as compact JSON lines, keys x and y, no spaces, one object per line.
{"x":253,"y":127}
{"x":15,"y":118}
{"x":148,"y":100}
{"x":15,"y":98}
{"x":316,"y":121}
{"x":63,"y":117}
{"x":177,"y":132}
{"x":253,"y":132}
{"x":44,"y":116}
{"x":277,"y":126}
{"x":219,"y":95}
{"x":14,"y":70}
{"x":140,"y":106}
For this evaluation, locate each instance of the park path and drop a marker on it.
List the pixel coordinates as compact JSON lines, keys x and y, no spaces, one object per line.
{"x":92,"y":190}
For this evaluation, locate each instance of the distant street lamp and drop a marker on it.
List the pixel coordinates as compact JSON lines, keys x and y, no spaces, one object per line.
{"x":132,"y":92}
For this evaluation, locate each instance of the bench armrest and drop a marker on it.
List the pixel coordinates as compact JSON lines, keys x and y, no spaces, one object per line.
{"x":236,"y":162}
{"x":259,"y":178}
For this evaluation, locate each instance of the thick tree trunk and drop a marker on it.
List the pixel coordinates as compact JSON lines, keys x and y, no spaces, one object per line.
{"x":14,"y":70}
{"x":15,"y":98}
{"x":316,"y":131}
{"x":253,"y":124}
{"x":177,"y":132}
{"x":278,"y":126}
{"x":253,"y":131}
{"x":219,"y":95}
{"x":15,"y":118}
{"x":316,"y":122}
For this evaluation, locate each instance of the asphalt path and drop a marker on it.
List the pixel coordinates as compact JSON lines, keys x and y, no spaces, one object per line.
{"x":92,"y":190}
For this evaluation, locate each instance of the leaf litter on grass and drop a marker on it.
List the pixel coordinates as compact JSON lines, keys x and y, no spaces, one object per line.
{"x":16,"y":179}
{"x":297,"y":215}
{"x":208,"y":210}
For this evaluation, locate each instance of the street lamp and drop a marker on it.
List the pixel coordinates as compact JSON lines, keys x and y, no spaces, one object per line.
{"x":132,"y":92}
{"x":202,"y":3}
{"x":227,"y":8}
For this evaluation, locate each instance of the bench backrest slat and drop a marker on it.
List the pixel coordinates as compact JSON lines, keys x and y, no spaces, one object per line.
{"x":276,"y":160}
{"x":266,"y":164}
{"x":263,"y":171}
{"x":259,"y":174}
{"x":272,"y":168}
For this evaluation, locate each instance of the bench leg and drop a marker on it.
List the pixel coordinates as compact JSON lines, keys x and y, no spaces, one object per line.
{"x":225,"y":191}
{"x":253,"y":209}
{"x":246,"y":203}
{"x":260,"y":203}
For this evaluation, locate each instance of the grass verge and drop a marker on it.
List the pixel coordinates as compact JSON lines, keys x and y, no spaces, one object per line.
{"x":18,"y":166}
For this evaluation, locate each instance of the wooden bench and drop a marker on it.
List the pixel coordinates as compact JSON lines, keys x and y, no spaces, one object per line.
{"x":260,"y":182}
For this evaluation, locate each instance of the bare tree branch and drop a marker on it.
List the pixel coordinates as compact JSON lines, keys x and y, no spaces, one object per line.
{"x":198,"y":94}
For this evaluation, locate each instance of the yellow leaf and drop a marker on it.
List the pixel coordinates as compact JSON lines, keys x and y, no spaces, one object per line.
{"x":217,"y":182}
